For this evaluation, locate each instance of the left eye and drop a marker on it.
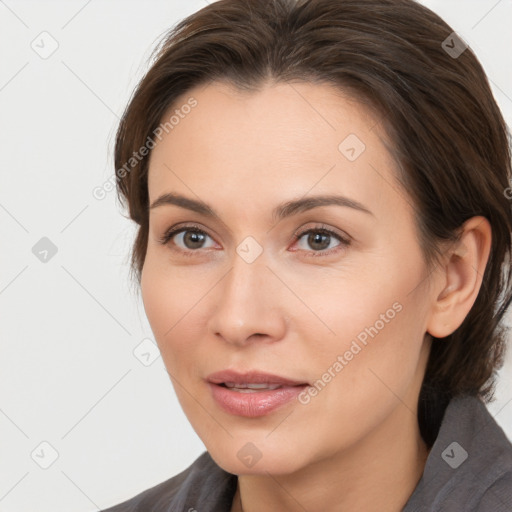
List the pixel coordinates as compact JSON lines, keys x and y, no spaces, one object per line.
{"x":319,"y":240}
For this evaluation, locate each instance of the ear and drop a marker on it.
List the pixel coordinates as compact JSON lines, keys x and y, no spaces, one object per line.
{"x":460,"y":277}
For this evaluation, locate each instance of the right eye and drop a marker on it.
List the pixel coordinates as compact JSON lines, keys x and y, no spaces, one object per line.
{"x":186,"y":239}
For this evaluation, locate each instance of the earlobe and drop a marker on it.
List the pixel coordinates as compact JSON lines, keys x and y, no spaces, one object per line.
{"x":460,"y":277}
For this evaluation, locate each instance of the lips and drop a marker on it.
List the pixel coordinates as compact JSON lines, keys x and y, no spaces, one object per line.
{"x":253,"y":393}
{"x":233,"y":378}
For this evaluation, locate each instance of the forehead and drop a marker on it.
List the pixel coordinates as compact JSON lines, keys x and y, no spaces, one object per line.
{"x":284,"y":139}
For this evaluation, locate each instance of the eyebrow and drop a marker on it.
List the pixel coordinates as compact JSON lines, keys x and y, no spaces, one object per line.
{"x":283,"y":210}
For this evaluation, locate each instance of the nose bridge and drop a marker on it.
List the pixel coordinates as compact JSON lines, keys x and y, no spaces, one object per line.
{"x":248,"y":301}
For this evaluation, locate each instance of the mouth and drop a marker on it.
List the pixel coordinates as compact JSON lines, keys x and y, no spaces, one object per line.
{"x":249,"y":388}
{"x":252,"y":394}
{"x":252,"y":379}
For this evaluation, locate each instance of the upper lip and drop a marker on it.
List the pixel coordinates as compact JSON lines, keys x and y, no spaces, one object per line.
{"x":250,"y":377}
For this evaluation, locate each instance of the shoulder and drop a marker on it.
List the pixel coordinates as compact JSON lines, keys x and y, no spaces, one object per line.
{"x":469,"y":466}
{"x":498,"y":497}
{"x":203,"y":486}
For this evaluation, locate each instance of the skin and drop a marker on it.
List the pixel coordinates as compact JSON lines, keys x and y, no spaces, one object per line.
{"x":356,"y":445}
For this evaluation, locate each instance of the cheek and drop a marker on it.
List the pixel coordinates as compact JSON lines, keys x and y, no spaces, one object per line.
{"x":362,"y":306}
{"x":379,"y":324}
{"x":171,"y":298}
{"x":364,"y":374}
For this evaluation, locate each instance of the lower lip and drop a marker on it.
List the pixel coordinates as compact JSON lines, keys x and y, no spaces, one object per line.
{"x":253,"y":404}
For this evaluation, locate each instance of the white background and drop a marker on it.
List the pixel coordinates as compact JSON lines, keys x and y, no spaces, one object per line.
{"x":69,"y":326}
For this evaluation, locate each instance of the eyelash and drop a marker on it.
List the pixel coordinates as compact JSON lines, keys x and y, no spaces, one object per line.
{"x":344,"y":242}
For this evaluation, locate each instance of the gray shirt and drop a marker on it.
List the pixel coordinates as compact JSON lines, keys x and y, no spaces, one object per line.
{"x":469,"y":469}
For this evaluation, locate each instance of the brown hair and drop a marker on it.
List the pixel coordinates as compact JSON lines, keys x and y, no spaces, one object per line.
{"x":448,"y":135}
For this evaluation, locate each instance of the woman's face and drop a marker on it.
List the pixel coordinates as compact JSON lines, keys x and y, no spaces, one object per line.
{"x":297,"y":257}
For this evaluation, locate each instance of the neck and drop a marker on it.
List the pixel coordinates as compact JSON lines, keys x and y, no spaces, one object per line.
{"x":379,"y":473}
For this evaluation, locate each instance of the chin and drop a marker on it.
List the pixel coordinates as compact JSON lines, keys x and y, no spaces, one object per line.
{"x":246,"y":457}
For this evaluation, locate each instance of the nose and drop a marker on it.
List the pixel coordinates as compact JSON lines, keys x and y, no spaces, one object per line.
{"x":249,"y":304}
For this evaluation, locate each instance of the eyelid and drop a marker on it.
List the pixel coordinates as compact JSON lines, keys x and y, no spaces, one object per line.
{"x":344,"y":239}
{"x":179,"y":228}
{"x":342,"y":236}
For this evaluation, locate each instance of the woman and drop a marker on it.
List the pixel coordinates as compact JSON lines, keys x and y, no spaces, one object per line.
{"x":324,"y":256}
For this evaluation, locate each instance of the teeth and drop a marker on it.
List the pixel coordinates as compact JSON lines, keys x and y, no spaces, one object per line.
{"x":247,"y":388}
